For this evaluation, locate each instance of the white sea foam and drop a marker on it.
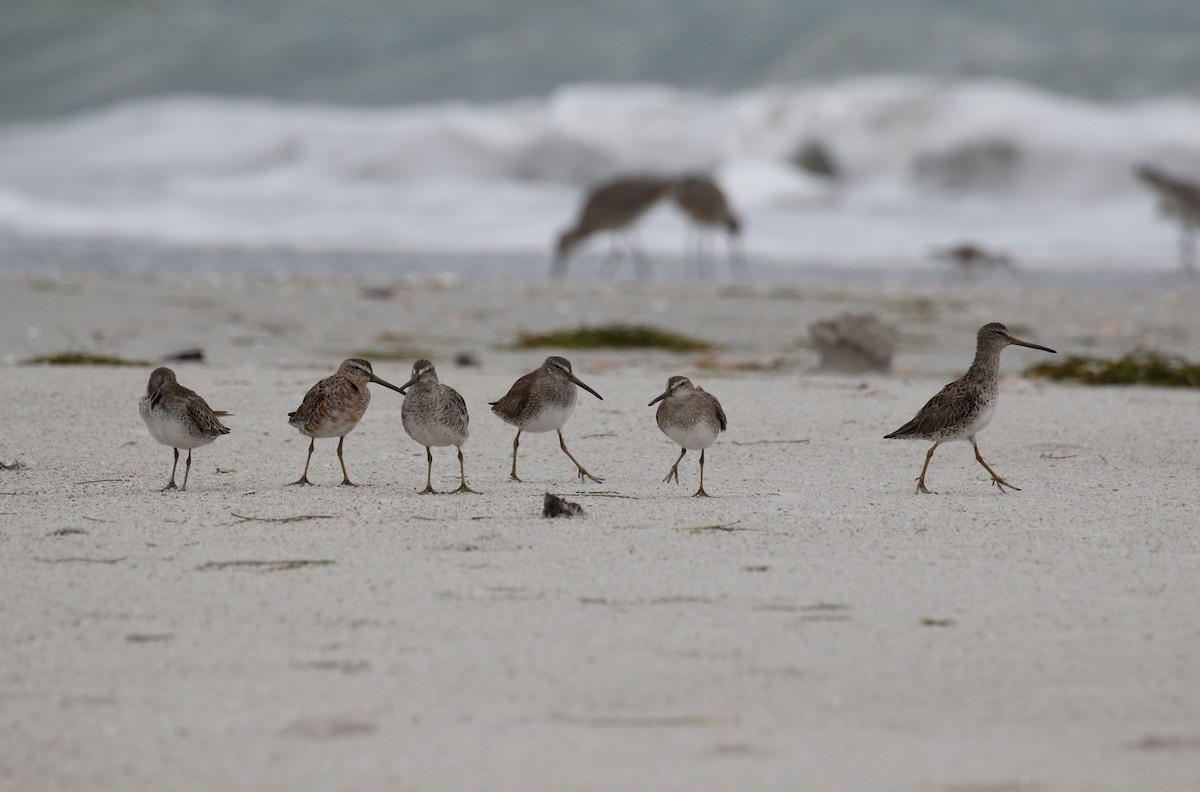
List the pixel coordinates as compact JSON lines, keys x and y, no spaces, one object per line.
{"x":922,"y":164}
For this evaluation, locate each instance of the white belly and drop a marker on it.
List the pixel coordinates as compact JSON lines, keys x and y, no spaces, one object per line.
{"x":549,"y":419}
{"x":168,"y":430}
{"x":694,"y":438}
{"x":978,"y":424}
{"x":434,"y":434}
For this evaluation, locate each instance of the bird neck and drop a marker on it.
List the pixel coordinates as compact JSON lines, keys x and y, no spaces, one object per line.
{"x":986,"y":363}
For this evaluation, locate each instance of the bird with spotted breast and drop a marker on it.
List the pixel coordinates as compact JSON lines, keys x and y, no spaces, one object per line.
{"x":964,"y":407}
{"x":333,"y":407}
{"x":177,"y":417}
{"x":434,"y":414}
{"x":542,"y":401}
{"x":693,"y":418}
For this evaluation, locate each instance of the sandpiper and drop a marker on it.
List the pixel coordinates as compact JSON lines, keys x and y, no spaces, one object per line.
{"x":176,"y":416}
{"x":964,"y":407}
{"x":705,"y":203}
{"x":434,"y":414}
{"x":692,"y":417}
{"x":1181,"y":198}
{"x":611,"y":206}
{"x":542,"y":401}
{"x":970,"y":258}
{"x":333,"y":407}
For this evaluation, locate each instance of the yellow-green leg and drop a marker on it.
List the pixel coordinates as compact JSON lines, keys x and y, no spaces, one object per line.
{"x":303,"y":480}
{"x":582,"y":472}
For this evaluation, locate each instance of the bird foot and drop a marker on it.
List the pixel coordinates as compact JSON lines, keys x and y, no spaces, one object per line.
{"x":464,"y":488}
{"x":584,"y":474}
{"x":429,"y":490}
{"x":170,"y":485}
{"x":674,"y":473}
{"x":301,"y":482}
{"x":700,"y":493}
{"x":1001,"y":484}
{"x":921,"y":488}
{"x":514,"y":477}
{"x":348,"y":483}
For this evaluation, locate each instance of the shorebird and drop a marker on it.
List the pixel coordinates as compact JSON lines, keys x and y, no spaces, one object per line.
{"x":1181,"y":198}
{"x":692,"y":417}
{"x":333,"y":407}
{"x":705,"y":203}
{"x":434,"y":414}
{"x":964,"y":407}
{"x":971,"y":258}
{"x":542,"y":401}
{"x":176,"y":416}
{"x":611,"y":206}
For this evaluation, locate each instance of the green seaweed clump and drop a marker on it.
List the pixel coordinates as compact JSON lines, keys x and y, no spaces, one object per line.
{"x":612,"y":336}
{"x":82,"y":359}
{"x":1140,"y":367}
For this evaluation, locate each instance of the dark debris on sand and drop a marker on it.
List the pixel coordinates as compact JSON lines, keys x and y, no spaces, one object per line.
{"x":554,"y":506}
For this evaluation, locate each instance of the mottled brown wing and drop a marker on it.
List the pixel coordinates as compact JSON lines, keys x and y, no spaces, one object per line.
{"x":456,"y":408}
{"x":720,"y":412}
{"x":950,"y":406}
{"x":204,"y":417}
{"x":512,"y":402}
{"x":313,"y":407}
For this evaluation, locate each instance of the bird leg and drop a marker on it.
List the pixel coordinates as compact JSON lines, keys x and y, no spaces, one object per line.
{"x":582,"y":471}
{"x":346,"y":482}
{"x":462,"y":475}
{"x":999,"y":482}
{"x":303,"y":480}
{"x":737,"y":255}
{"x":612,"y":260}
{"x":558,"y":269}
{"x":921,"y":479}
{"x":171,"y":483}
{"x":702,"y":269}
{"x":1187,"y":249}
{"x":516,"y":442}
{"x":187,"y":468}
{"x":641,"y":262}
{"x":700,"y":493}
{"x":674,"y":471}
{"x":429,"y":473}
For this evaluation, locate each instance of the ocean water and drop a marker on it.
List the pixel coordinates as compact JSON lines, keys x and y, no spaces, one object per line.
{"x":60,"y":56}
{"x":470,"y":130}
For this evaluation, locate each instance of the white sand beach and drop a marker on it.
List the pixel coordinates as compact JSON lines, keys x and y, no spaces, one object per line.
{"x":815,"y":625}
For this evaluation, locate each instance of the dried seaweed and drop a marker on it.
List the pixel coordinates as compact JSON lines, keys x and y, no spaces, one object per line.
{"x":292,"y":519}
{"x":1140,"y":367}
{"x":266,"y":566}
{"x":612,"y":336}
{"x":727,"y":527}
{"x":83,"y":359}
